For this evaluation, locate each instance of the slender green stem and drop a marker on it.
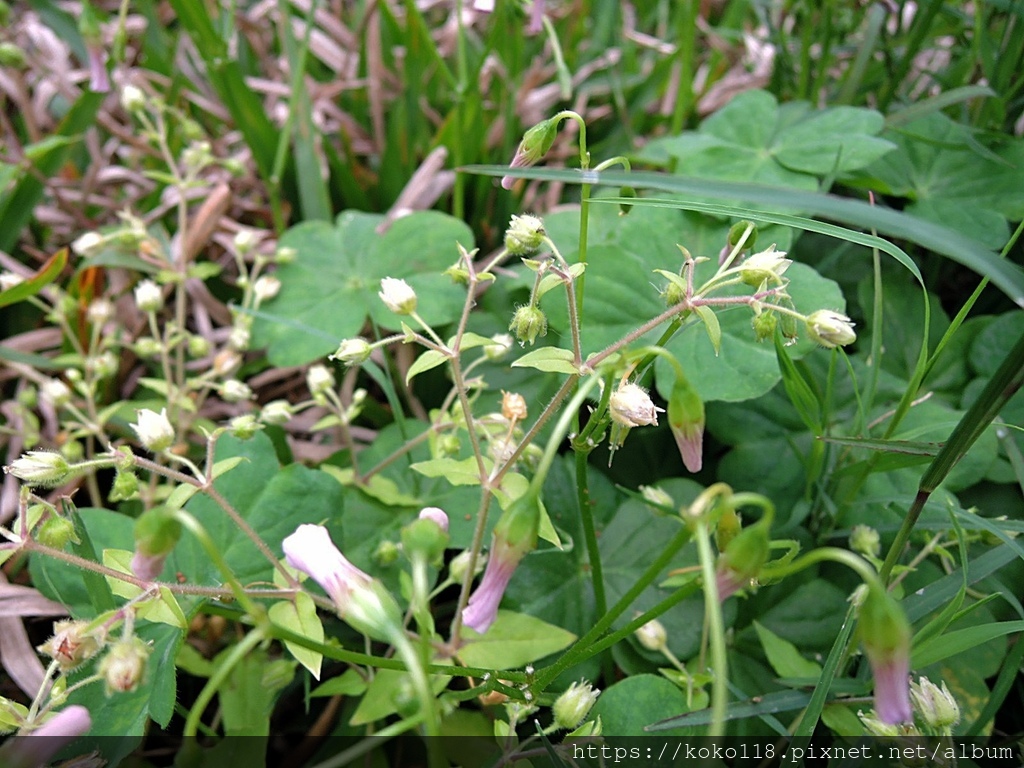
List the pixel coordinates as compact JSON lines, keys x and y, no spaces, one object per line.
{"x":713,"y":617}
{"x":219,"y":677}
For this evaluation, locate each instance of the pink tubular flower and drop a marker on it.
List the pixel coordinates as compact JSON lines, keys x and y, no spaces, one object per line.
{"x":483,"y":604}
{"x":885,"y":635}
{"x":361,"y":600}
{"x":25,"y":751}
{"x":99,"y":81}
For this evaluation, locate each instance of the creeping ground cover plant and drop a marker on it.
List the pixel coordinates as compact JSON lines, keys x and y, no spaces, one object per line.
{"x":339,"y":428}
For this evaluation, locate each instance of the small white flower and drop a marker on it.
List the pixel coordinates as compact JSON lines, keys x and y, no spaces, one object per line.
{"x":148,"y":296}
{"x":55,"y":392}
{"x":398,"y":296}
{"x":39,"y":468}
{"x":830,"y":329}
{"x":100,"y":311}
{"x":573,"y":706}
{"x":133,"y":99}
{"x":235,"y":391}
{"x":246,"y":240}
{"x":240,"y":336}
{"x":631,"y":406}
{"x":88,"y":244}
{"x":154,"y":430}
{"x":766,"y":265}
{"x":652,"y":635}
{"x":319,"y":380}
{"x":266,"y":287}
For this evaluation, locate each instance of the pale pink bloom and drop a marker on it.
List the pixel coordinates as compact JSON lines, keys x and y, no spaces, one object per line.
{"x":437,"y":515}
{"x":892,"y":688}
{"x":99,"y":81}
{"x":483,"y":604}
{"x":26,"y":751}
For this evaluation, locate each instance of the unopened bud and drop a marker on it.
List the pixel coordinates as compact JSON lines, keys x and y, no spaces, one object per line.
{"x":398,"y":296}
{"x":535,"y":144}
{"x":386,"y":553}
{"x":88,"y":244}
{"x":156,"y":533}
{"x":736,"y":232}
{"x":154,"y":430}
{"x":133,"y":99}
{"x":524,"y":235}
{"x":686,"y":419}
{"x":865,"y":539}
{"x":125,"y":486}
{"x":12,"y":56}
{"x":319,"y":380}
{"x":573,"y":706}
{"x":56,"y":532}
{"x":235,"y":391}
{"x":244,"y":427}
{"x":124,"y":665}
{"x":198,"y":346}
{"x":502,"y":344}
{"x":885,"y":636}
{"x":276,"y":412}
{"x":148,"y":296}
{"x":40,"y":468}
{"x":830,"y":329}
{"x":426,"y":535}
{"x":266,"y":287}
{"x":352,"y":352}
{"x":764,"y":325}
{"x":658,"y":498}
{"x":652,"y":636}
{"x":936,"y":706}
{"x":528,"y":323}
{"x":55,"y":392}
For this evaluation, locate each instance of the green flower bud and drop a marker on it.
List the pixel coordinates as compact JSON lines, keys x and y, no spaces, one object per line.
{"x":426,"y":536}
{"x":352,"y":352}
{"x":764,"y":325}
{"x":885,"y":636}
{"x":625,"y":208}
{"x":535,"y":144}
{"x":12,"y":56}
{"x":742,"y":560}
{"x":865,"y":539}
{"x":156,"y":533}
{"x":729,"y":525}
{"x":125,"y":486}
{"x":936,"y":706}
{"x":524,"y":235}
{"x":652,"y":636}
{"x":198,"y":346}
{"x":40,"y":468}
{"x":528,"y":323}
{"x":686,"y":419}
{"x":244,"y":427}
{"x":573,"y":706}
{"x":736,"y":233}
{"x":658,"y":498}
{"x":386,"y":553}
{"x":56,"y":532}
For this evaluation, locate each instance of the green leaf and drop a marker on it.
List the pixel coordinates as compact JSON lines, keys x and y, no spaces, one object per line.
{"x":957,"y":641}
{"x":515,"y":639}
{"x":548,"y":359}
{"x":799,"y":390}
{"x":784,"y":656}
{"x":631,"y":706}
{"x":300,"y":617}
{"x":252,"y":688}
{"x":455,"y":471}
{"x":348,"y":683}
{"x":712,"y":326}
{"x":428,"y":360}
{"x":387,"y":688}
{"x":332,"y":285}
{"x":45,"y":275}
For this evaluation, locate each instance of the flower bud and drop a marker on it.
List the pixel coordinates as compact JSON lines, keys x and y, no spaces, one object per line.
{"x":319,"y":380}
{"x":386,"y":553}
{"x":245,"y":240}
{"x":276,"y":412}
{"x":100,"y":311}
{"x":125,"y":486}
{"x":742,"y":560}
{"x":830,"y":329}
{"x":765,"y":266}
{"x":528,"y":323}
{"x":235,"y":391}
{"x":55,"y":392}
{"x":885,"y":636}
{"x":626,"y":192}
{"x":936,"y":706}
{"x":686,"y":419}
{"x":631,"y":406}
{"x":876,"y":727}
{"x":156,"y":533}
{"x":102,"y":366}
{"x":88,"y":244}
{"x":736,"y":233}
{"x":362,"y":601}
{"x":514,"y":535}
{"x":240,"y":336}
{"x":42,"y":468}
{"x":147,"y":347}
{"x":460,"y":564}
{"x":244,"y":427}
{"x":148,"y":296}
{"x":352,"y":352}
{"x":658,"y":498}
{"x":501,"y":346}
{"x":12,"y":56}
{"x":513,"y":406}
{"x":154,"y":430}
{"x":72,"y":643}
{"x":865,"y":539}
{"x":447,"y":445}
{"x":728,"y":527}
{"x":56,"y":532}
{"x":524,"y":235}
{"x":124,"y":665}
{"x":133,"y":99}
{"x":285,"y":255}
{"x":535,"y":144}
{"x":266,"y":287}
{"x":426,"y":535}
{"x":652,"y":636}
{"x":764,"y":325}
{"x":573,"y":706}
{"x":398,"y":296}
{"x":198,"y":346}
